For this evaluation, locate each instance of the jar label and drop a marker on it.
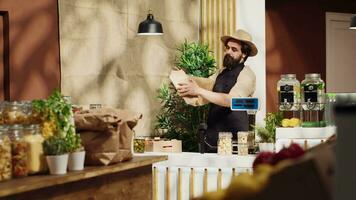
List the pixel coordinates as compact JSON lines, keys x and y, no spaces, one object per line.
{"x":311,"y":93}
{"x":286,"y":94}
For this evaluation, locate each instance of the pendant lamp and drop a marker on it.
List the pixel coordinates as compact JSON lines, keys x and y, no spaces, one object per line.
{"x":353,"y":23}
{"x":150,"y":26}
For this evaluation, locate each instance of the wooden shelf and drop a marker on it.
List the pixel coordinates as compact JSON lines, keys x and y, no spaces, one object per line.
{"x":30,"y":183}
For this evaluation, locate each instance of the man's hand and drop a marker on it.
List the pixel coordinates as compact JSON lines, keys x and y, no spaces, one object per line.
{"x":188,"y":89}
{"x":191,"y":89}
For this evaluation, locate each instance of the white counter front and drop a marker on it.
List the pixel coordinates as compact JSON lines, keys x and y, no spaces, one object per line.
{"x":305,"y":137}
{"x":187,"y":175}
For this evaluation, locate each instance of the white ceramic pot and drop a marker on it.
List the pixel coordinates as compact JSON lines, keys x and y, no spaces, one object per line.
{"x":76,"y":161}
{"x":266,"y":147}
{"x":57,"y":164}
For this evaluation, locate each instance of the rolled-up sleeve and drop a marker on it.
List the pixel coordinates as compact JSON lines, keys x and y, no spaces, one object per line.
{"x":245,"y":84}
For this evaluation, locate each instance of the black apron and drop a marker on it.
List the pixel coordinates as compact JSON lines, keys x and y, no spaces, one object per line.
{"x":222,"y":119}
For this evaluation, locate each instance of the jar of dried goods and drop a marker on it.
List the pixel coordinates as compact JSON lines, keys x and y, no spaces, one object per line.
{"x":36,"y":161}
{"x":14,"y":113}
{"x":225,"y":143}
{"x":5,"y":154}
{"x":19,"y":149}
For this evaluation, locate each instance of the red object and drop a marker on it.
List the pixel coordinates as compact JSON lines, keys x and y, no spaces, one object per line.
{"x":294,"y":151}
{"x":281,"y":155}
{"x":265,"y":157}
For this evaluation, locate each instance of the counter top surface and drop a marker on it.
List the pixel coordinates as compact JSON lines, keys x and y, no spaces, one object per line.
{"x":19,"y":185}
{"x":210,"y":160}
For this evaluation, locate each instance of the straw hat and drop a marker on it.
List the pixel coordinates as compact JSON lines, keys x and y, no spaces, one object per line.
{"x":243,"y":36}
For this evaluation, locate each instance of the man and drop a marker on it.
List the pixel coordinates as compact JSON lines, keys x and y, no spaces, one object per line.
{"x":233,"y":80}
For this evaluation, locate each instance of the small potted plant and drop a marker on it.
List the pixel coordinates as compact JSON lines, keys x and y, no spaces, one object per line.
{"x":56,"y":150}
{"x":267,"y":134}
{"x":267,"y":139}
{"x":77,"y":153}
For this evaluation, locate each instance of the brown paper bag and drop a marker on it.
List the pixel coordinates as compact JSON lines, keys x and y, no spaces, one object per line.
{"x":179,"y":76}
{"x":106,"y":134}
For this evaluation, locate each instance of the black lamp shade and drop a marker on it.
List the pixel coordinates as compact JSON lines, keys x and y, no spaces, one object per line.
{"x":150,"y":27}
{"x":353,"y":22}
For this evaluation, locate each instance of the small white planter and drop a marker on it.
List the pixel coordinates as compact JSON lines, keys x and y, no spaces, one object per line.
{"x":76,"y":161}
{"x":266,"y":147}
{"x":57,"y":164}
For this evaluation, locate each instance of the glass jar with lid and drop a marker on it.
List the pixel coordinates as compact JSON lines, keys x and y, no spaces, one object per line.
{"x":288,"y":88}
{"x":34,"y":116}
{"x":36,"y":161}
{"x":139,"y":145}
{"x":14,"y":113}
{"x":5,"y":154}
{"x":242,"y":137}
{"x":225,"y":143}
{"x":19,"y":148}
{"x":313,"y":90}
{"x":242,"y":149}
{"x":31,"y":116}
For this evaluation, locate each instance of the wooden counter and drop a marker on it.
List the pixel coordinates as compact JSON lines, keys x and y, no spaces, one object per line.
{"x":127,"y":180}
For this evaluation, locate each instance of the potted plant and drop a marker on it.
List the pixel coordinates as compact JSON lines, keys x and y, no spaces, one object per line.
{"x":267,"y":139}
{"x":267,"y":134}
{"x":77,"y":153}
{"x":56,"y":150}
{"x":57,"y":121}
{"x":179,"y":120}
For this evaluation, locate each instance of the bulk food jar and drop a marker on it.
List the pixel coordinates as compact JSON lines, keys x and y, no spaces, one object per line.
{"x":312,"y":99}
{"x":5,"y":154}
{"x":36,"y":161}
{"x":32,"y":116}
{"x":19,"y":148}
{"x":225,"y":143}
{"x":14,"y":113}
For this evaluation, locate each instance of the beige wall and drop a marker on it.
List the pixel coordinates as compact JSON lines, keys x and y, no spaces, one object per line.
{"x":104,"y":61}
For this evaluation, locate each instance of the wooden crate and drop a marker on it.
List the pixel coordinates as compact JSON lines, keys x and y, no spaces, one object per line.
{"x":169,"y":146}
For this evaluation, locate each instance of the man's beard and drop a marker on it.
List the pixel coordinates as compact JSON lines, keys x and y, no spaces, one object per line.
{"x":230,"y":62}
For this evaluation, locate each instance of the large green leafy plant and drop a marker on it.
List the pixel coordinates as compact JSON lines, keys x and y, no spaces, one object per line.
{"x":178,"y":119}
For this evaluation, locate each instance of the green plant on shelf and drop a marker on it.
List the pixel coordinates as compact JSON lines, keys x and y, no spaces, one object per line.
{"x":58,"y":123}
{"x":74,"y":142}
{"x":55,"y":145}
{"x":267,"y":134}
{"x":57,"y":109}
